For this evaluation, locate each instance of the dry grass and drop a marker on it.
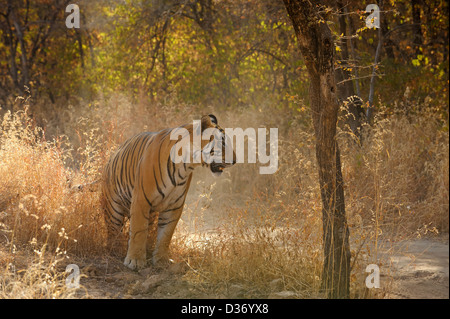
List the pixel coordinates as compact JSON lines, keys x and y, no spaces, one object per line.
{"x":243,"y":230}
{"x":400,"y":174}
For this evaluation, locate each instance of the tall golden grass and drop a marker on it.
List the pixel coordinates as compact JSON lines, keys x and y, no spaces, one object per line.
{"x":243,"y":229}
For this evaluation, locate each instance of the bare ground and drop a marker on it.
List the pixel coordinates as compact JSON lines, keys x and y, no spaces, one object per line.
{"x":419,"y":269}
{"x":416,"y":269}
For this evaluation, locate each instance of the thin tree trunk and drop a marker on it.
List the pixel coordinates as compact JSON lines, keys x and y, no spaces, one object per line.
{"x":353,"y":51}
{"x":80,"y":47}
{"x":91,"y":49}
{"x":346,"y":88}
{"x":13,"y":66}
{"x":388,"y":43}
{"x":316,"y":44}
{"x":23,"y":50}
{"x":369,"y":113}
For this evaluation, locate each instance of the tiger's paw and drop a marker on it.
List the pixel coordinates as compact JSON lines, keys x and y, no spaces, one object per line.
{"x":135,"y":263}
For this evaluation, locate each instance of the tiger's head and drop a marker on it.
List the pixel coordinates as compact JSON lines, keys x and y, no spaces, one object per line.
{"x":218,"y":152}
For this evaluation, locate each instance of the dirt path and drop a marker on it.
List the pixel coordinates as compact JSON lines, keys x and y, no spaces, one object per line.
{"x":415,"y":269}
{"x":420,"y":270}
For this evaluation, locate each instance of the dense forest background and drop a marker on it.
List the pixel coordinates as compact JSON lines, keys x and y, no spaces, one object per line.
{"x":229,"y":53}
{"x":70,"y":96}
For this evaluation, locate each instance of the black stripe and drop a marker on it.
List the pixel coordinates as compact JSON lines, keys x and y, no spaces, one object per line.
{"x":127,"y":166}
{"x":172,"y":209}
{"x":117,"y":203}
{"x":124,"y":164}
{"x":119,"y":223}
{"x":114,"y":201}
{"x":110,"y":215}
{"x":164,"y":224}
{"x":159,"y":165}
{"x":143,"y":190}
{"x":117,"y":177}
{"x":184,"y":193}
{"x":171,"y":176}
{"x":136,"y":157}
{"x":157,"y":185}
{"x":165,"y":134}
{"x":145,"y":195}
{"x":143,"y":145}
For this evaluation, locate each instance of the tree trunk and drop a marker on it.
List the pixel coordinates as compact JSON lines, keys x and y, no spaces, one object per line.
{"x":388,"y":43}
{"x":346,"y":91}
{"x":23,"y":56}
{"x":317,"y":47}
{"x":369,"y":112}
{"x":353,"y":48}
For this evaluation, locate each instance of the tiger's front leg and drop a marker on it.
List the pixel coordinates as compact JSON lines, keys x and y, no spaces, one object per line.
{"x":139,"y":217}
{"x":167,"y":222}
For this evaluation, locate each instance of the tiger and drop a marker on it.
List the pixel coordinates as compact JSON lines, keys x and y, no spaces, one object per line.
{"x":141,"y":181}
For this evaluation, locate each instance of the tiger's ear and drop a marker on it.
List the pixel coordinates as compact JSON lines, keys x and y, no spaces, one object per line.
{"x":213,"y":119}
{"x":208,"y":121}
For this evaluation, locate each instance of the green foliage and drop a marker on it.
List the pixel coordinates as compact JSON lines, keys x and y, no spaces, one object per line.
{"x":228,"y":53}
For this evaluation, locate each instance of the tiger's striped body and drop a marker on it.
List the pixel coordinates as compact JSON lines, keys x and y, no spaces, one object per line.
{"x":141,"y":182}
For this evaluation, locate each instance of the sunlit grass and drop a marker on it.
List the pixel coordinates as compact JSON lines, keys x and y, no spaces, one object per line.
{"x":260,"y":233}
